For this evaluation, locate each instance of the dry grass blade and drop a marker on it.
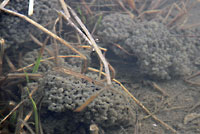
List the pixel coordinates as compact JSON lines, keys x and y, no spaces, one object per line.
{"x":93,"y":43}
{"x":88,"y":38}
{"x":30,"y":7}
{"x":2,"y":43}
{"x":88,"y":101}
{"x":124,"y":8}
{"x":178,"y":17}
{"x":76,"y":74}
{"x":19,"y":75}
{"x":88,"y":10}
{"x":170,"y":11}
{"x":10,"y":64}
{"x":111,"y":68}
{"x":188,"y":80}
{"x":100,"y":70}
{"x":122,"y":49}
{"x":42,"y":44}
{"x":27,"y":126}
{"x":73,"y":25}
{"x":47,"y":32}
{"x":64,"y":6}
{"x":148,"y":13}
{"x":4,"y":3}
{"x":22,"y":75}
{"x":55,"y":44}
{"x":159,"y":89}
{"x":27,"y":117}
{"x":13,"y":110}
{"x":189,"y":26}
{"x":113,"y":74}
{"x":183,"y":12}
{"x":155,"y":4}
{"x":131,"y":3}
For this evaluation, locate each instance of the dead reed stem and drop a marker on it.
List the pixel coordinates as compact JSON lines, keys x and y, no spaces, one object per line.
{"x":20,"y":75}
{"x":93,"y":43}
{"x":125,"y":9}
{"x":13,"y":110}
{"x":10,"y":64}
{"x":55,"y":44}
{"x":73,"y":25}
{"x":131,"y":3}
{"x":4,"y":3}
{"x":2,"y":44}
{"x":88,"y":10}
{"x":78,"y":75}
{"x":30,"y":7}
{"x":27,"y":126}
{"x":161,"y":90}
{"x":88,"y":101}
{"x":188,"y":80}
{"x":42,"y":44}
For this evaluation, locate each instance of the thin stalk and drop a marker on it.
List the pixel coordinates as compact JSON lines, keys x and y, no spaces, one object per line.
{"x":2,"y":43}
{"x":90,"y":39}
{"x":37,"y":63}
{"x":34,"y":107}
{"x":12,"y":111}
{"x":27,"y":126}
{"x":96,"y":48}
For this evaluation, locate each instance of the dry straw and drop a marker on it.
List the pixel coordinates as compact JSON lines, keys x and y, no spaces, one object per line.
{"x":30,"y":7}
{"x":88,"y":36}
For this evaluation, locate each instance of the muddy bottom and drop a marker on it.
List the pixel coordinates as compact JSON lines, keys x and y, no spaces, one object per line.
{"x":175,"y":102}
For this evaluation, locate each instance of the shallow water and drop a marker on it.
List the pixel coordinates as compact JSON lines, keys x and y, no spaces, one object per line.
{"x":154,"y":57}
